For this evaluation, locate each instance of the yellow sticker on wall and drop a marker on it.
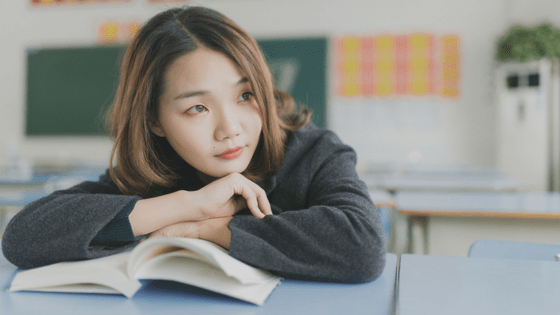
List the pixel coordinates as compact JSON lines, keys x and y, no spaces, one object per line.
{"x":113,"y":32}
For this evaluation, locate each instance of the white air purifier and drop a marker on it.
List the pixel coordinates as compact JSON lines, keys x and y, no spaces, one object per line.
{"x":528,"y":126}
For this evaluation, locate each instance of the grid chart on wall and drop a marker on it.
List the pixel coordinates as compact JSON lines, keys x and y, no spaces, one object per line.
{"x":47,"y":2}
{"x":111,"y":32}
{"x":417,"y":64}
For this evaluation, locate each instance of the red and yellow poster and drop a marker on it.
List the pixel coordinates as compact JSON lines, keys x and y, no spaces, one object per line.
{"x":397,"y":65}
{"x":156,"y":1}
{"x":350,"y":64}
{"x":450,"y":66}
{"x":113,"y":32}
{"x":47,"y":2}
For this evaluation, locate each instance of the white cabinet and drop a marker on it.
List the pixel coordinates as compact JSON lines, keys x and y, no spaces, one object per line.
{"x":528,"y":128}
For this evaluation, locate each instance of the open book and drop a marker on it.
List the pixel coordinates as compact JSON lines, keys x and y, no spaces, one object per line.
{"x":191,"y":261}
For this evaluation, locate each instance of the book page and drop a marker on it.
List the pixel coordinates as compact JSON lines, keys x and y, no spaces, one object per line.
{"x":191,"y":269}
{"x":80,"y":288}
{"x":202,"y":264}
{"x":210,"y":252}
{"x":101,"y":275}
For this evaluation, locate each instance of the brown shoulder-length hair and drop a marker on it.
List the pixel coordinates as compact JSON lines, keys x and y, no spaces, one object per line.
{"x":145,"y":161}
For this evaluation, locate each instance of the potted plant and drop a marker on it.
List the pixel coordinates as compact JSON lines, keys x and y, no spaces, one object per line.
{"x":523,"y":44}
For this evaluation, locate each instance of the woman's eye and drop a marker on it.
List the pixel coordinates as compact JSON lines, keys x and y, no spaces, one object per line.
{"x":196,"y":109}
{"x":245,"y":96}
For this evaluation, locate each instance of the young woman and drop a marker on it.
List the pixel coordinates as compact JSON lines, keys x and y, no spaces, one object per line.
{"x":205,"y":147}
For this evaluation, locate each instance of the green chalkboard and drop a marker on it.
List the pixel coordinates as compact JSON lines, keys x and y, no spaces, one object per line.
{"x":299,"y":67}
{"x":70,"y":89}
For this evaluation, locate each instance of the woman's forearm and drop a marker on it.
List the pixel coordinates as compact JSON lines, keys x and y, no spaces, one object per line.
{"x":216,"y":231}
{"x":152,"y":214}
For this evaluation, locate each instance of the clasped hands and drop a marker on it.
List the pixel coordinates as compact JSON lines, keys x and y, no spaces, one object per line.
{"x":202,"y":214}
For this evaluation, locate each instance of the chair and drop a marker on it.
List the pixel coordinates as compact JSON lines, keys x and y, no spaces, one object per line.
{"x":515,"y":250}
{"x":385,"y":214}
{"x":385,"y":203}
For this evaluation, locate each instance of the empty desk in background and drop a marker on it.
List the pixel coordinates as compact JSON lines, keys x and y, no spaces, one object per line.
{"x":450,"y":222}
{"x":16,"y":191}
{"x":434,"y":179}
{"x":425,"y":181}
{"x":382,"y":198}
{"x":430,"y":169}
{"x":22,"y":198}
{"x":460,"y":285}
{"x":11,"y":203}
{"x":418,"y":168}
{"x":11,"y":181}
{"x":165,"y":297}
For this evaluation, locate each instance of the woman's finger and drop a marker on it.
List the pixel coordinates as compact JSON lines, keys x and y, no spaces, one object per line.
{"x":251,"y":199}
{"x":264,"y":204}
{"x":242,"y":186}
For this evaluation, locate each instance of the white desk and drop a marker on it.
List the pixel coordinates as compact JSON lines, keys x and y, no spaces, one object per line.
{"x":166,"y":297}
{"x":38,"y":178}
{"x":460,"y":285}
{"x":16,"y":192}
{"x":419,"y":168}
{"x":450,"y":222}
{"x":382,"y":198}
{"x":11,"y":203}
{"x":477,"y":182}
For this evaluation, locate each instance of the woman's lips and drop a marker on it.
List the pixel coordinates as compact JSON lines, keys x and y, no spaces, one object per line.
{"x":231,"y":153}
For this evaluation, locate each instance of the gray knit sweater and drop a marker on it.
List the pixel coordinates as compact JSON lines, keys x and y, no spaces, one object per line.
{"x":325,"y":226}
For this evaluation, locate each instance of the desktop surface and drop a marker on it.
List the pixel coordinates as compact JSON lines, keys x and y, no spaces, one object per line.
{"x":22,"y":198}
{"x":460,"y":285}
{"x":290,"y":297}
{"x":40,"y":176}
{"x":505,"y":204}
{"x":491,"y":182}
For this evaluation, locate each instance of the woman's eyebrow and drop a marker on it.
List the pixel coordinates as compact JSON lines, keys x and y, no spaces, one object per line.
{"x":191,"y":94}
{"x":242,"y":81}
{"x":204,"y":92}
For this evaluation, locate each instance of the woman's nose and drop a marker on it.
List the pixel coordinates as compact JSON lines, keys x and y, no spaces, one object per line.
{"x":228,"y":125}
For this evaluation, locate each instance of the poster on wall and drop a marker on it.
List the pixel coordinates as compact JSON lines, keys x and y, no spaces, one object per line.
{"x":47,"y":2}
{"x":162,"y":1}
{"x":450,"y":66}
{"x":116,"y":32}
{"x":386,"y":65}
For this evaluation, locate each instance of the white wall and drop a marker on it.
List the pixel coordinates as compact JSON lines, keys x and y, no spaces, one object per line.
{"x":430,"y":129}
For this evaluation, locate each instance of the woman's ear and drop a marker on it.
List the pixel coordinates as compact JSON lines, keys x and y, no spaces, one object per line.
{"x":155,"y":127}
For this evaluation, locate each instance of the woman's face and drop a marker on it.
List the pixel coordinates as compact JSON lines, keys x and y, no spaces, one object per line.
{"x":208,"y":114}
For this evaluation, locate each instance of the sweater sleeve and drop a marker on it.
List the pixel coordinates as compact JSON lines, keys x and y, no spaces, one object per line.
{"x":118,"y":231}
{"x":334,"y":234}
{"x":62,"y":226}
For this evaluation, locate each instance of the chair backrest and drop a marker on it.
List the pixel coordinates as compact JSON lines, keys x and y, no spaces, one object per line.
{"x":515,"y":250}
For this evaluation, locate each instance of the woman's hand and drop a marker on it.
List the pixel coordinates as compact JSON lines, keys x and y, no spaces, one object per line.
{"x":222,"y":198}
{"x":230,"y":194}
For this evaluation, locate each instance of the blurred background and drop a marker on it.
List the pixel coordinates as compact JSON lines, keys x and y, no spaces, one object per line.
{"x":442,"y":84}
{"x":428,"y":127}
